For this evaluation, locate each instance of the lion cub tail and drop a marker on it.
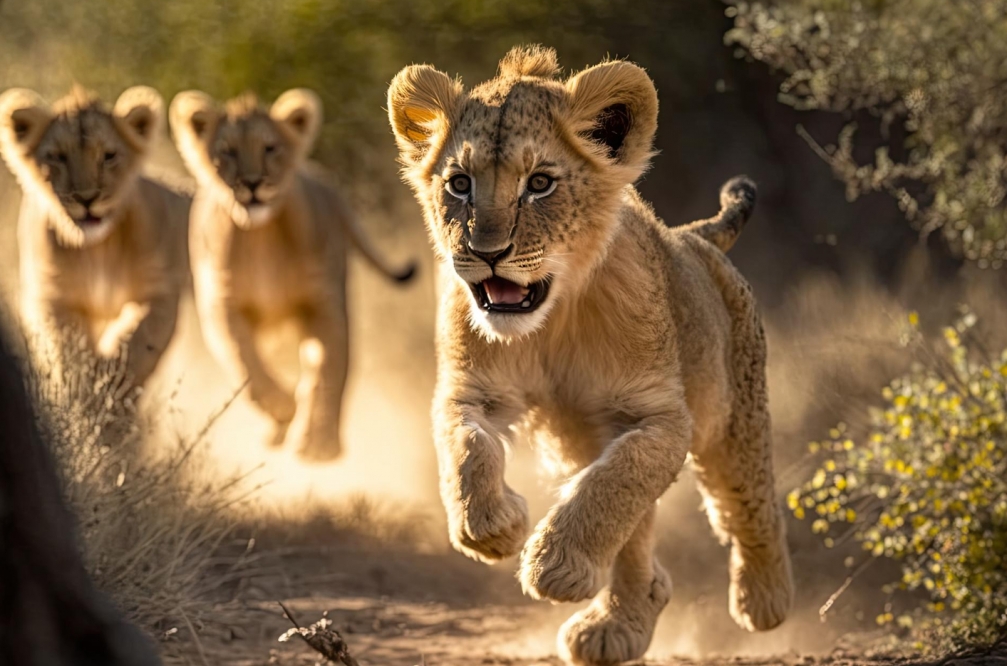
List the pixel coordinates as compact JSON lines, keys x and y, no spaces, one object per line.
{"x":737,"y":201}
{"x":361,"y":243}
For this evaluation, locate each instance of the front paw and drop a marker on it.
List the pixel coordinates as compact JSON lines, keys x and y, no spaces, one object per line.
{"x":490,"y":529}
{"x":316,"y":439}
{"x":555,"y":567}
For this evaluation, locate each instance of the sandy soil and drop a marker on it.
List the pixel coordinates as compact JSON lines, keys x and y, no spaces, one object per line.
{"x":410,"y":609}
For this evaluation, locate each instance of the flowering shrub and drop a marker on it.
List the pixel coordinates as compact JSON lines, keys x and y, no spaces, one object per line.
{"x":927,"y":487}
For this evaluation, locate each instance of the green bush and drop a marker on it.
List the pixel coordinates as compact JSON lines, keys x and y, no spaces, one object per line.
{"x":932,"y":71}
{"x":927,"y":487}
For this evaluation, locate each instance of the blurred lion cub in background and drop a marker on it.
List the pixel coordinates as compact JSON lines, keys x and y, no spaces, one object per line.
{"x":268,"y":242}
{"x":102,"y":248}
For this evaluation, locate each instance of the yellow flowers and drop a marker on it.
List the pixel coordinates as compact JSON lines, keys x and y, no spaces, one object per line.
{"x":952,"y":338}
{"x":926,"y":484}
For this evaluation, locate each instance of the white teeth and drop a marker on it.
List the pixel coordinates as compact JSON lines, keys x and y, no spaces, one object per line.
{"x":526,"y":304}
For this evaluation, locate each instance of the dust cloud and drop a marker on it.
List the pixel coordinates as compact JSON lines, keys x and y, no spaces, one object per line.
{"x":833,"y":345}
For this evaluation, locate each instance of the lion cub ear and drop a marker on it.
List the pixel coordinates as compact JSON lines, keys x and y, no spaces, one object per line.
{"x":139,"y":114}
{"x":614,"y":107}
{"x":24,"y":118}
{"x":422,"y":102}
{"x":299,"y":111}
{"x":193,"y":116}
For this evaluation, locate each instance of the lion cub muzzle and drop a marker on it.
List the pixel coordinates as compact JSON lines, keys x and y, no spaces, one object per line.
{"x":499,"y":281}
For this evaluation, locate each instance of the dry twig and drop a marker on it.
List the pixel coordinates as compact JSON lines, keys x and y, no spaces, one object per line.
{"x":321,"y":637}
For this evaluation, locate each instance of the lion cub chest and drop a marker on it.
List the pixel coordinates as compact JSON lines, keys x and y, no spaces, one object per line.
{"x":97,"y":281}
{"x":274,"y":270}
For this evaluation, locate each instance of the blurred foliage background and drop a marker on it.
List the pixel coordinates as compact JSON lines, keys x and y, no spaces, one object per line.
{"x":833,"y":261}
{"x":933,"y":75}
{"x":718,"y":114}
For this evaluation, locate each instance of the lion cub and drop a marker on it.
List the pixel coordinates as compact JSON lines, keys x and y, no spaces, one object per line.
{"x":268,"y":242}
{"x":102,"y":248}
{"x":570,"y":310}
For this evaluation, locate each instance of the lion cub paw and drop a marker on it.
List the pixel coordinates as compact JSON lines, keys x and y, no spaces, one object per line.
{"x":316,"y":439}
{"x":554,"y":567}
{"x":490,"y":530}
{"x":605,"y":633}
{"x":761,"y":590}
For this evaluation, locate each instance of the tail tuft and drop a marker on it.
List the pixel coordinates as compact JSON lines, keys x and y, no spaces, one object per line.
{"x":737,"y":201}
{"x":740,"y":191}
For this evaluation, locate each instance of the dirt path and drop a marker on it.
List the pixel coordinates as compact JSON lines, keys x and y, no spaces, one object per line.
{"x":397,"y":608}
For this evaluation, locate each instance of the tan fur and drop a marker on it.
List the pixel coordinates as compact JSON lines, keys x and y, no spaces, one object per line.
{"x":268,"y":242}
{"x":646,"y":347}
{"x":101,"y":247}
{"x":737,"y":200}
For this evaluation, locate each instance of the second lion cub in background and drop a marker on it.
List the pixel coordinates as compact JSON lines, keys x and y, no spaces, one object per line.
{"x":268,"y":242}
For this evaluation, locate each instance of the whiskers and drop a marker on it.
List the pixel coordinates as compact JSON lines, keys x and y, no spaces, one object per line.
{"x":556,"y":260}
{"x":523,"y":267}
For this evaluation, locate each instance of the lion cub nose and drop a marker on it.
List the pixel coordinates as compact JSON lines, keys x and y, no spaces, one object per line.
{"x":491,"y":257}
{"x":86,"y":198}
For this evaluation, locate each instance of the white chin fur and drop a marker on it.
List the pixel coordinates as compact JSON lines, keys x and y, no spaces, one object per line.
{"x":505,"y":327}
{"x":97,"y":232}
{"x":71,"y":234}
{"x":258,"y":215}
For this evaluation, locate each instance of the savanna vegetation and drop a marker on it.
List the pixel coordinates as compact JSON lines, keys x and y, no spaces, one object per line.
{"x":903,"y":97}
{"x":924,"y":483}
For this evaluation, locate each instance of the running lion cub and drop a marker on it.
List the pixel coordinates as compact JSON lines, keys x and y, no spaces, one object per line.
{"x":568,"y":308}
{"x":102,"y":248}
{"x":268,"y":242}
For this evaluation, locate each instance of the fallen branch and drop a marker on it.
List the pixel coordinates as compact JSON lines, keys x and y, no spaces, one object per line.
{"x":320,"y":637}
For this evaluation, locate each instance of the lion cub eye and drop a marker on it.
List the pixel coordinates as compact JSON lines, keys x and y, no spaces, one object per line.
{"x":460,"y":185}
{"x":110,"y":156}
{"x":540,"y":183}
{"x":270,"y":148}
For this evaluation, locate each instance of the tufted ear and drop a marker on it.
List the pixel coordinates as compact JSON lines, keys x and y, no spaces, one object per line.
{"x":24,"y":118}
{"x":139,"y":114}
{"x":300,"y":112}
{"x":421,"y":105}
{"x":193,"y":116}
{"x":614,"y":107}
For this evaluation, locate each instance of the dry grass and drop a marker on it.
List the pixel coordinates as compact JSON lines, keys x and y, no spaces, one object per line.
{"x":152,"y":533}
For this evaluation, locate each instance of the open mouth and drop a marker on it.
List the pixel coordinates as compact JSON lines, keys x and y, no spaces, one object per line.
{"x":89,"y":220}
{"x":501,"y":295}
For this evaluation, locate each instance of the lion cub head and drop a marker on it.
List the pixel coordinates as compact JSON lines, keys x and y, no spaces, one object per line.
{"x":77,"y":157}
{"x":521,"y":177}
{"x":243,"y":153}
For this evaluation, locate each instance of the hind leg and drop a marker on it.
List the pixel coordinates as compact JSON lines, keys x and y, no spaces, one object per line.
{"x":619,"y":624}
{"x":735,"y":477}
{"x":230,"y":336}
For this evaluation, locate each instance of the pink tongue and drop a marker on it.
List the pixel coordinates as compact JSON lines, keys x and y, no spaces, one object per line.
{"x":505,"y":292}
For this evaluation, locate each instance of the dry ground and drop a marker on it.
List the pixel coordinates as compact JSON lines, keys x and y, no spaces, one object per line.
{"x":411,"y":609}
